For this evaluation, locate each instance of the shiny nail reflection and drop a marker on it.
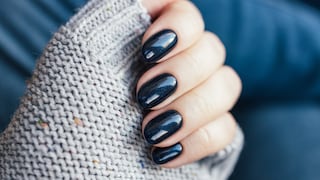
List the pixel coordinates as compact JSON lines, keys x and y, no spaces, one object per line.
{"x":158,"y":45}
{"x":164,"y":155}
{"x":156,"y":90}
{"x":162,"y":126}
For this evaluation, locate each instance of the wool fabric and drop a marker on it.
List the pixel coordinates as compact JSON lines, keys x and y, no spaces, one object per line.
{"x":78,"y":118}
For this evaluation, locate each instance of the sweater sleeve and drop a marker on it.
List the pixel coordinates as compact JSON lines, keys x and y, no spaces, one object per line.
{"x":78,"y":120}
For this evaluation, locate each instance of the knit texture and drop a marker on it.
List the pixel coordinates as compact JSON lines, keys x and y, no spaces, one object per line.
{"x":78,"y":119}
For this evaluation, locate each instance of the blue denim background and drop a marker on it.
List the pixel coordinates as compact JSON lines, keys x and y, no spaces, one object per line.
{"x":273,"y":44}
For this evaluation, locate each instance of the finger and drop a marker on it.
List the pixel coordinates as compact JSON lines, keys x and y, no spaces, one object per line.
{"x":193,"y":110}
{"x":206,"y":141}
{"x":179,"y":26}
{"x":155,"y":7}
{"x":187,"y":69}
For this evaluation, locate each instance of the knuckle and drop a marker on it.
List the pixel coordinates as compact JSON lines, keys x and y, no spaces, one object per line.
{"x":230,"y":120}
{"x":206,"y":140}
{"x":229,"y":128}
{"x":190,"y":12}
{"x":203,"y":105}
{"x":209,"y":141}
{"x":232,"y":82}
{"x":229,"y":116}
{"x":192,"y":62}
{"x":216,"y":44}
{"x":185,"y":4}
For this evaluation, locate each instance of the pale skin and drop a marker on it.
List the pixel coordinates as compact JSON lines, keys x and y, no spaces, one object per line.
{"x":207,"y":89}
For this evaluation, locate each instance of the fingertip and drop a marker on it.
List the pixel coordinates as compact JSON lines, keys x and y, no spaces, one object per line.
{"x":178,"y":27}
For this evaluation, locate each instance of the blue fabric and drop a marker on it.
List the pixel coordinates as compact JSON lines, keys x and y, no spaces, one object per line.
{"x":275,"y":47}
{"x":282,"y":141}
{"x":25,"y":28}
{"x":273,"y":44}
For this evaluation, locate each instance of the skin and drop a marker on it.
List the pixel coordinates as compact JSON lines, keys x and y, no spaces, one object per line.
{"x":207,"y":89}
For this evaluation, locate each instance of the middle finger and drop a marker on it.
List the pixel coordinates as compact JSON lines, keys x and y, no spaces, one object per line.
{"x":170,"y":79}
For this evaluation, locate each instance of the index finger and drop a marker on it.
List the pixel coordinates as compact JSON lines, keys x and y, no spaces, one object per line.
{"x":178,"y":26}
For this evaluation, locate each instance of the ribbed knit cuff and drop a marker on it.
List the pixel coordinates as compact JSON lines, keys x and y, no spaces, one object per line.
{"x":108,"y":28}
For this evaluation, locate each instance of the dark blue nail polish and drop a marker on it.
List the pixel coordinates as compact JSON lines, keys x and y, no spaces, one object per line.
{"x":156,"y":90}
{"x":164,"y":155}
{"x":162,"y":126}
{"x":158,"y":45}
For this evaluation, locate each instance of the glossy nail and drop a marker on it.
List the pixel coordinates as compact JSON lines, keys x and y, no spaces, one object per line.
{"x":162,"y":126}
{"x":164,"y":155}
{"x":158,"y":45}
{"x":156,"y":90}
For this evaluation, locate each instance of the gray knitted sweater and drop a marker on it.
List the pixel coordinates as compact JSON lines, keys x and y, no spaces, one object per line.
{"x":78,"y":120}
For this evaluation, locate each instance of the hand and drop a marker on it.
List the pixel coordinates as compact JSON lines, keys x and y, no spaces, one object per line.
{"x":189,"y":92}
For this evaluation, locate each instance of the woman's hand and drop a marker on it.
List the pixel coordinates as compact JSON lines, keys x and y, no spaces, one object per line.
{"x":189,"y":92}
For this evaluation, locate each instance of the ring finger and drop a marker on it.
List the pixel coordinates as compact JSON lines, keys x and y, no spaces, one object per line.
{"x":193,"y":110}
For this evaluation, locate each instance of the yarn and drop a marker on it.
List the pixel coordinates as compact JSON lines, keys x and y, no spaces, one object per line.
{"x":78,"y":120}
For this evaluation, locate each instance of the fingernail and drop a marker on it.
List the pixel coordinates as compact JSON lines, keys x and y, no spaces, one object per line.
{"x":158,"y":45}
{"x":162,"y":126}
{"x":156,"y":90}
{"x":164,"y":155}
